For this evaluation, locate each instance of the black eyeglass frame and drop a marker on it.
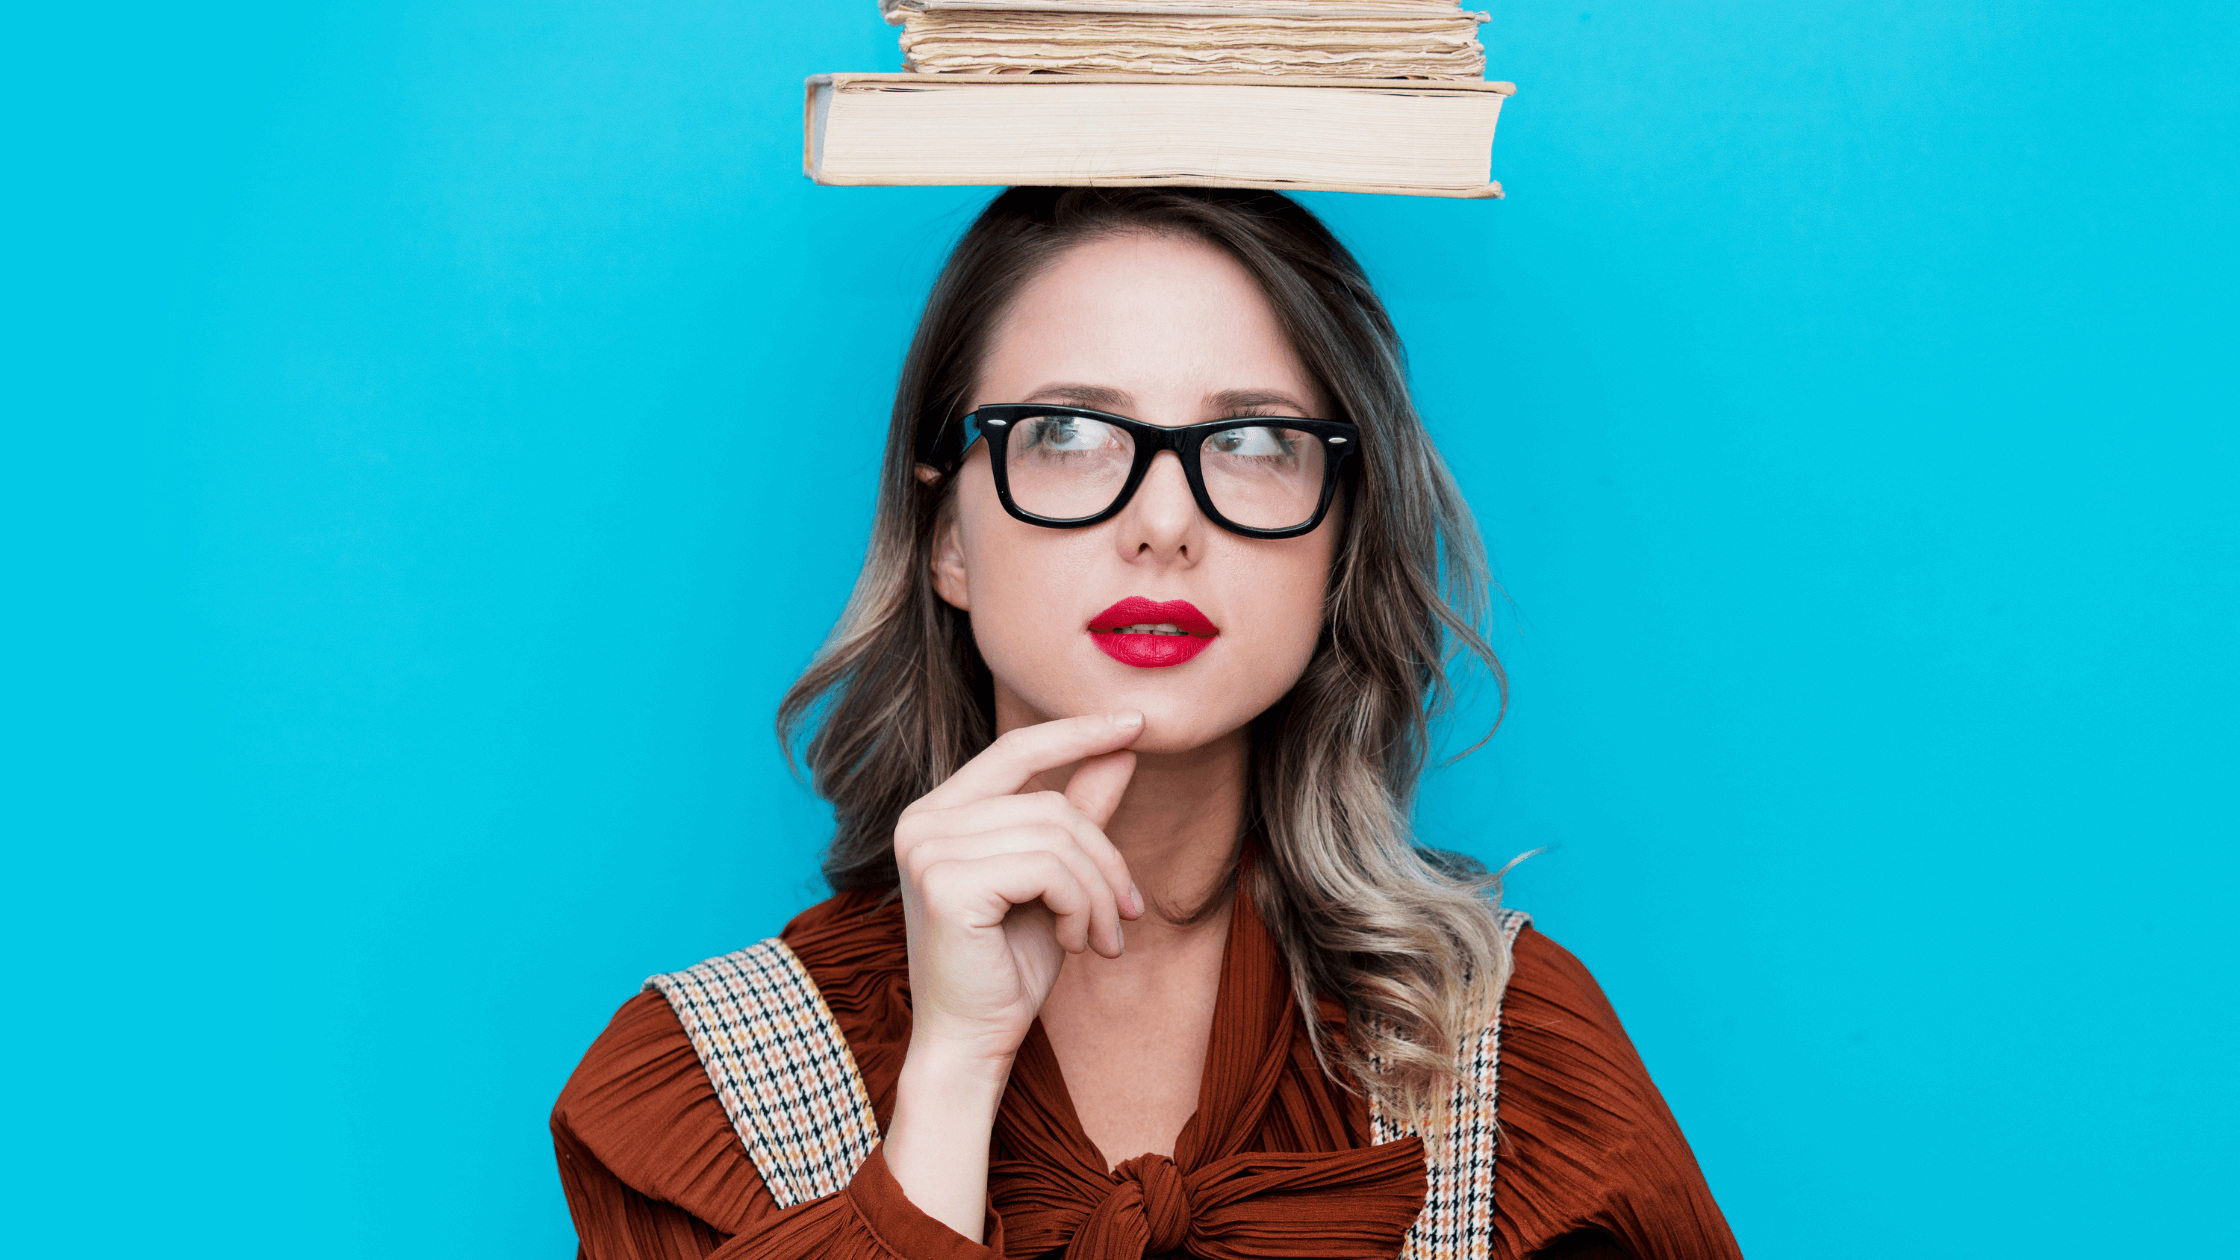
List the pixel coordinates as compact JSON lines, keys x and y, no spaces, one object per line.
{"x":994,"y":422}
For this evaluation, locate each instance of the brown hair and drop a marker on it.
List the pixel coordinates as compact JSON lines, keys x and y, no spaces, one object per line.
{"x":899,"y":698}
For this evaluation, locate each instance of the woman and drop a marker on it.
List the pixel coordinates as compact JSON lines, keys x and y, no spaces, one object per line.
{"x":1131,"y":951}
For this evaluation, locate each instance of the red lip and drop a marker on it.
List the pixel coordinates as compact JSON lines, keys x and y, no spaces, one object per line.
{"x":1152,"y":651}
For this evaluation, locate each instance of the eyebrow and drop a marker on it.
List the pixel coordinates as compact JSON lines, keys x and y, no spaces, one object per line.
{"x":1094,"y":397}
{"x":1240,"y":399}
{"x":1105,"y":398}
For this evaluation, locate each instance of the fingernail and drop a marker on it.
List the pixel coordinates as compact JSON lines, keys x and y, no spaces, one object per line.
{"x":1126,"y":719}
{"x":1135,"y":897}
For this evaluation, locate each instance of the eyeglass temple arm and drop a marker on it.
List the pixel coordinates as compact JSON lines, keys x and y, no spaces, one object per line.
{"x":970,"y":427}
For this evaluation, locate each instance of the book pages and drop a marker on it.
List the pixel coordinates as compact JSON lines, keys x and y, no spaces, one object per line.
{"x":1022,"y":42}
{"x":894,"y":10}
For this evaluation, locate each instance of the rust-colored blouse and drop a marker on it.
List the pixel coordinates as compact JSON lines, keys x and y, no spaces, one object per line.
{"x":1276,"y":1162}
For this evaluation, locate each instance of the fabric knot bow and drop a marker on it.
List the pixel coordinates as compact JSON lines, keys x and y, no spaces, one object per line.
{"x":1148,"y":1213}
{"x":1345,"y":1205}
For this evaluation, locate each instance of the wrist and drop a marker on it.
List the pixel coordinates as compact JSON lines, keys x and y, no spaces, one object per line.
{"x":936,"y":1145}
{"x":958,"y":1080}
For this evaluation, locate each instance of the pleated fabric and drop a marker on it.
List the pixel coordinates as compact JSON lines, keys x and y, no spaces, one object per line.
{"x":1276,"y":1163}
{"x":1318,"y":1188}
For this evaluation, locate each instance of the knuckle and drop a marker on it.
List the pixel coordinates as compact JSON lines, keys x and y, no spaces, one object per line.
{"x":937,"y":879}
{"x":920,"y":859}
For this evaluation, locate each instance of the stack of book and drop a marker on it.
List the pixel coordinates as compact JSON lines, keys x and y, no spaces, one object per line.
{"x":1354,"y":95}
{"x":1361,"y":39}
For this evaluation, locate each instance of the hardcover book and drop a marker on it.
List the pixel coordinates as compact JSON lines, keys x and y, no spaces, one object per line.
{"x":1350,"y":95}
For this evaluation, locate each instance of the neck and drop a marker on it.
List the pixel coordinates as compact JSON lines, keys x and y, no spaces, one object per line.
{"x":1180,"y":823}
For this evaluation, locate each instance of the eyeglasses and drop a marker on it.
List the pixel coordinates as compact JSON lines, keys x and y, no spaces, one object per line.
{"x":1069,"y":467}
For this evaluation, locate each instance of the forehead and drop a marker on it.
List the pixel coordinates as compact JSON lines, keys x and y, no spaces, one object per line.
{"x":1162,"y":318}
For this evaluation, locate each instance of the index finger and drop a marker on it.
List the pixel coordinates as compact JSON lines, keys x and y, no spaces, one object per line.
{"x":1004,"y":766}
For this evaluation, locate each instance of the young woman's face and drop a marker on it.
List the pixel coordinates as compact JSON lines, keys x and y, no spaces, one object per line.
{"x":1169,"y":331}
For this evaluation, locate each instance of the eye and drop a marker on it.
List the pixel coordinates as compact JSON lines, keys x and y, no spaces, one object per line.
{"x":1258,"y":441}
{"x":1068,"y":433}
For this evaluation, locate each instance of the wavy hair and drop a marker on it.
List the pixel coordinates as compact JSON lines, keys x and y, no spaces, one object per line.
{"x":899,"y":698}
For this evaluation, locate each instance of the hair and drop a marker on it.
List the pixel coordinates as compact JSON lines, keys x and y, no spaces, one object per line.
{"x":1407,"y":938}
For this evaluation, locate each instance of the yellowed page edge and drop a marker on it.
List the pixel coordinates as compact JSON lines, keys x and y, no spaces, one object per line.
{"x":847,"y":80}
{"x":835,"y":82}
{"x":1491,"y":191}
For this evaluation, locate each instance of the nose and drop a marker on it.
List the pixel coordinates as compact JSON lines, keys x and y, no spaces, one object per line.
{"x":1162,"y":524}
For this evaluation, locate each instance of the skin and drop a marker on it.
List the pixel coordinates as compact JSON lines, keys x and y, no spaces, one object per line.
{"x":1113,"y":795}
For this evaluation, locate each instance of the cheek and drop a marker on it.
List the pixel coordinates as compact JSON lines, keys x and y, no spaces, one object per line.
{"x":1023,"y":580}
{"x":1012,"y":572}
{"x":1281,"y":586}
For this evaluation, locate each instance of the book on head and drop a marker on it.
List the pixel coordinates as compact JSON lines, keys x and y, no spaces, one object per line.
{"x":1353,"y":95}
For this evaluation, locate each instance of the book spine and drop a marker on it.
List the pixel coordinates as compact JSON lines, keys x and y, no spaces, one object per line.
{"x":816,"y":107}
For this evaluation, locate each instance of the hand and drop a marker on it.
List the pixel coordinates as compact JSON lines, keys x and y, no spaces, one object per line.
{"x":998,"y":888}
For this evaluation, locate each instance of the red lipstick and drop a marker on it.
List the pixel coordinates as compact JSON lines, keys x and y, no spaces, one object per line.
{"x":1149,"y":634}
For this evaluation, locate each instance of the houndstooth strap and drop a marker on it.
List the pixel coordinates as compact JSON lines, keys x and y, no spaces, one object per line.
{"x":1457,"y":1218}
{"x":780,"y":1066}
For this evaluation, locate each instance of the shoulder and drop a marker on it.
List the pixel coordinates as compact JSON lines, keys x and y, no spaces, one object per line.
{"x":1587,"y":1142}
{"x":1553,"y":1004}
{"x":642,"y":1104}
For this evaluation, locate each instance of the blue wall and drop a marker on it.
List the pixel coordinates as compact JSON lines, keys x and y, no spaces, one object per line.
{"x":398,"y":586}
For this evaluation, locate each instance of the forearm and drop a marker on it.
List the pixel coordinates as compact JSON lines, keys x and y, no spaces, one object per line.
{"x":937,"y":1144}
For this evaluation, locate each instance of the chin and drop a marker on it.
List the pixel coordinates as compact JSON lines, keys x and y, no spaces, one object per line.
{"x":1177,"y":724}
{"x":1177,"y":717}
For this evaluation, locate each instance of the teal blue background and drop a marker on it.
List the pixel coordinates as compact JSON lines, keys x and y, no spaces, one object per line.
{"x":400,"y":579}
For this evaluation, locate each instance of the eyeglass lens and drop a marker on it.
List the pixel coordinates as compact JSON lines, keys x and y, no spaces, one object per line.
{"x":1261,"y":475}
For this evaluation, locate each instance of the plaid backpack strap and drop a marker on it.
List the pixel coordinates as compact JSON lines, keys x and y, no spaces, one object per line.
{"x":1457,"y":1219}
{"x":780,"y":1067}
